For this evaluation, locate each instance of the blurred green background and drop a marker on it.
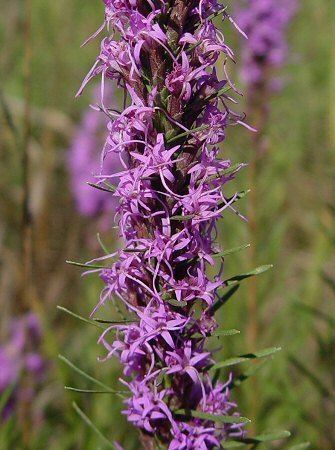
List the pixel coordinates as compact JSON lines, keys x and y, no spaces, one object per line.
{"x":295,"y":231}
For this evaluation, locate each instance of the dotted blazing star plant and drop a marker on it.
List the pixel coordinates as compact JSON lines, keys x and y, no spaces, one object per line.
{"x":265,"y":22}
{"x":20,"y":357}
{"x":84,"y":164}
{"x":172,"y":192}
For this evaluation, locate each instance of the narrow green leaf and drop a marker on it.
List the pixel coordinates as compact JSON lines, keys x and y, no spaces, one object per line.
{"x":186,"y":133}
{"x":257,"y":271}
{"x":251,"y":371}
{"x":212,"y":417}
{"x":187,"y":217}
{"x":272,"y":436}
{"x":93,"y":391}
{"x":243,"y":358}
{"x":242,"y":194}
{"x":230,"y":251}
{"x":232,"y":444}
{"x":223,"y":300}
{"x":102,"y":245}
{"x":235,"y":198}
{"x":115,"y":322}
{"x":160,"y":378}
{"x":111,"y":188}
{"x":301,"y":446}
{"x":175,"y":302}
{"x":82,"y":319}
{"x":219,"y":333}
{"x":110,"y":185}
{"x":218,"y":93}
{"x":85,"y":375}
{"x":264,"y":437}
{"x":231,"y":170}
{"x":217,"y":13}
{"x":87,"y":266}
{"x":231,"y":332}
{"x":88,"y":422}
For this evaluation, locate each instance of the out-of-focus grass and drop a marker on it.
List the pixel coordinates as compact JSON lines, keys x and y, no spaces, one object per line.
{"x":294,"y":185}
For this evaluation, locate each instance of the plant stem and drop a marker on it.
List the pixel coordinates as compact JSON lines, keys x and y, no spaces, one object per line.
{"x":257,"y":113}
{"x":26,"y":220}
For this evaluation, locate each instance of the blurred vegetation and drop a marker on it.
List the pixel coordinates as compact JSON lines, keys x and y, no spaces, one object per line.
{"x":294,"y":187}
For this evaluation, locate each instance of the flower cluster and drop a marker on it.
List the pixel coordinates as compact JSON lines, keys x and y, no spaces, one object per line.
{"x":84,"y":164}
{"x":18,"y":355}
{"x":265,"y":23}
{"x":172,"y":191}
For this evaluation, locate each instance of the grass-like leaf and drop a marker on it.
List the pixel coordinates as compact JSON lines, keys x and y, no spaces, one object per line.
{"x":180,"y":218}
{"x":93,"y":391}
{"x":115,"y":322}
{"x":232,"y":444}
{"x":264,"y":437}
{"x":251,"y":371}
{"x":186,"y":133}
{"x":238,"y":196}
{"x":110,"y":188}
{"x":175,"y":302}
{"x":87,"y":266}
{"x":301,"y":446}
{"x":88,"y":422}
{"x":86,"y":375}
{"x":218,"y":94}
{"x":82,"y":319}
{"x":231,"y":332}
{"x":230,"y":251}
{"x":243,"y":358}
{"x":102,"y":245}
{"x":257,"y":271}
{"x":223,"y":300}
{"x":211,"y":417}
{"x":229,"y":171}
{"x":133,"y":250}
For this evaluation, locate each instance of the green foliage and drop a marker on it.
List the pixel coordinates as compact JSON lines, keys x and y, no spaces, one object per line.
{"x":244,"y":358}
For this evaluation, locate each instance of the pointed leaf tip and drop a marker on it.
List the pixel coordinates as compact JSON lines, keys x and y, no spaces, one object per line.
{"x":259,"y":270}
{"x":301,"y":446}
{"x":244,"y":358}
{"x":212,"y":417}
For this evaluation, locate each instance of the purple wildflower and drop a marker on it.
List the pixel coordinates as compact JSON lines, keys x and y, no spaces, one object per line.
{"x":171,"y":191}
{"x":19,"y":355}
{"x":265,"y":23}
{"x":85,"y":163}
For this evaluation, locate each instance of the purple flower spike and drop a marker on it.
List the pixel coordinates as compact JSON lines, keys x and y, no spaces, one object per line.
{"x":265,"y":23}
{"x":170,"y":188}
{"x":84,"y":165}
{"x":19,"y":355}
